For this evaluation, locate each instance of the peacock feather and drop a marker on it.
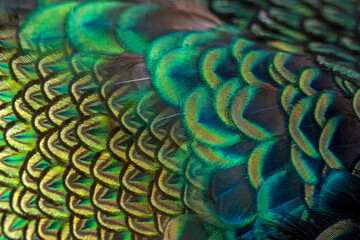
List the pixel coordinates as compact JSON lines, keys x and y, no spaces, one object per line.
{"x":179,"y":120}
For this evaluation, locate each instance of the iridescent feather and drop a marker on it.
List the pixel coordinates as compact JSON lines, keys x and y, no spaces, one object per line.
{"x":172,"y":120}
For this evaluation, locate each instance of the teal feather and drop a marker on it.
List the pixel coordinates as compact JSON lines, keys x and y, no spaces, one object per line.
{"x":225,"y":119}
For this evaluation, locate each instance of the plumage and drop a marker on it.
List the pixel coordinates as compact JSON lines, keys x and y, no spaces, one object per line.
{"x":222,"y":119}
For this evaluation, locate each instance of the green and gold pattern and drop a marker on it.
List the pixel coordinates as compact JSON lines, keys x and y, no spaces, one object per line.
{"x":156,"y":120}
{"x":84,"y":156}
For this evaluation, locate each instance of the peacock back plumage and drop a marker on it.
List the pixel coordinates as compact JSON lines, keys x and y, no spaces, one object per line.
{"x":160,"y":120}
